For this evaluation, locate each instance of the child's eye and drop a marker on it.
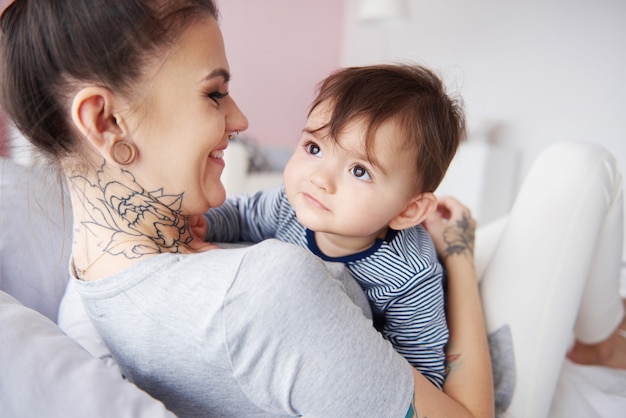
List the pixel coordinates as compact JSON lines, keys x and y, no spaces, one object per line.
{"x":216,"y":95}
{"x":313,"y":149}
{"x":360,"y":172}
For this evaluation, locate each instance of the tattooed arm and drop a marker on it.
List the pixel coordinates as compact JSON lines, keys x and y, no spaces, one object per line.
{"x":469,"y":380}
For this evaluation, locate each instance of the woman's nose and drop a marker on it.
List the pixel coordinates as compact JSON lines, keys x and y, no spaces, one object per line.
{"x":236,"y":121}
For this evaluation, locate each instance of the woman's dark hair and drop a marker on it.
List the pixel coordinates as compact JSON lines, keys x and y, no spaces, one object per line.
{"x":49,"y":46}
{"x":432,"y":123}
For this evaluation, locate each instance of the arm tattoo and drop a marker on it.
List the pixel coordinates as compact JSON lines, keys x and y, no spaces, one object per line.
{"x":134,"y":221}
{"x":412,"y":412}
{"x":460,"y":237}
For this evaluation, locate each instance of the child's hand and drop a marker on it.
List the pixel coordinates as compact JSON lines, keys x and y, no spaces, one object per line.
{"x":452,"y":228}
{"x":199,"y":227}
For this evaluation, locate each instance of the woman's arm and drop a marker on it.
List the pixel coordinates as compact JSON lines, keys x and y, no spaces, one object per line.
{"x":469,"y":380}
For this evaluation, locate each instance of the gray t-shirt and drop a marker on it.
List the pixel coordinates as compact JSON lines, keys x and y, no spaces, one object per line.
{"x":266,"y":330}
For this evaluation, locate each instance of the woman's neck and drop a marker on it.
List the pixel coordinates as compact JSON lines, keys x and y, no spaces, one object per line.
{"x":117,"y":222}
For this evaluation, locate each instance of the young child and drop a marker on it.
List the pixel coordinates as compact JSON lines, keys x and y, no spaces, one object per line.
{"x":377,"y":143}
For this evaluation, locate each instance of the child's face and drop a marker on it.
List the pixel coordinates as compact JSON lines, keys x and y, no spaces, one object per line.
{"x":334,"y":188}
{"x":184,"y":128}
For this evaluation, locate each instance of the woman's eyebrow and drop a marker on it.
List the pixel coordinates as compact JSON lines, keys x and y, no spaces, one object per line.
{"x":218,"y":72}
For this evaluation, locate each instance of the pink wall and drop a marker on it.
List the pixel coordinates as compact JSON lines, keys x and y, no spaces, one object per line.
{"x":278,"y":51}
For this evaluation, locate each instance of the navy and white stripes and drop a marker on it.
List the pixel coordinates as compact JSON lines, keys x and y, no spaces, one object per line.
{"x":400,"y":275}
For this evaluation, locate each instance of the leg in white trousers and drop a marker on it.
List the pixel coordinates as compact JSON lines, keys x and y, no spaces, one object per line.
{"x":552,"y":266}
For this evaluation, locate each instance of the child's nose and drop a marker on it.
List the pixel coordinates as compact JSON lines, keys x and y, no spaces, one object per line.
{"x":324,"y":179}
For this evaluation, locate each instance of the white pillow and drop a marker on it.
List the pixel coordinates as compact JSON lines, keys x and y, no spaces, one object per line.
{"x":46,"y":373}
{"x":75,"y":322}
{"x":43,"y":372}
{"x":35,"y":230}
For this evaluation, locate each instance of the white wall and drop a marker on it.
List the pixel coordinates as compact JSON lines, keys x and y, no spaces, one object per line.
{"x":545,"y":71}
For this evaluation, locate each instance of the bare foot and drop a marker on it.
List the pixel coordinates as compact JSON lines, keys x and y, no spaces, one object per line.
{"x":609,"y":353}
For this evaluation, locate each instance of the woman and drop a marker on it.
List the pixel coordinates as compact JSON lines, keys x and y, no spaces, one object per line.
{"x":130,"y":99}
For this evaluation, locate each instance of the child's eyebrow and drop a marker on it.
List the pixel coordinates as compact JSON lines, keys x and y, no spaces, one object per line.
{"x":370,"y":158}
{"x":317,"y":133}
{"x":375,"y":164}
{"x":360,"y":154}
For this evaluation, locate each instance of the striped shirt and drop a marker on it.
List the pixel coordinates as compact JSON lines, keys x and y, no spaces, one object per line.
{"x":400,"y":275}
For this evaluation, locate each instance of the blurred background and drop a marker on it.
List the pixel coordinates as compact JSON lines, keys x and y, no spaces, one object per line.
{"x":531,"y":73}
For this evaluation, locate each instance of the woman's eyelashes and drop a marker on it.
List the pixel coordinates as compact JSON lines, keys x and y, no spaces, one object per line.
{"x":217,"y":95}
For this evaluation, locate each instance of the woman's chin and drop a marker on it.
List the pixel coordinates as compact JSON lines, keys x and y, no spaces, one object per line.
{"x":217,"y":196}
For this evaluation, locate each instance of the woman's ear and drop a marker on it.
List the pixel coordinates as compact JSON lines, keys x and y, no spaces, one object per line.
{"x":93,"y":115}
{"x":415,"y":211}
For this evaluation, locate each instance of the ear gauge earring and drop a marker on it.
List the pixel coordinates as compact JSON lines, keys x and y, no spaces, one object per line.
{"x":123,"y":152}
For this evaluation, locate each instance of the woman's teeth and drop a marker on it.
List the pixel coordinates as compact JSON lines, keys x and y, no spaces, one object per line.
{"x":217,"y":154}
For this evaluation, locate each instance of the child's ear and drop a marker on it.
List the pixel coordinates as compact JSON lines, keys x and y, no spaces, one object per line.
{"x":93,"y":113}
{"x":415,"y":211}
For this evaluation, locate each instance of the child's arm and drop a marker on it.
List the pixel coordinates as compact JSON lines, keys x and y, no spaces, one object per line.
{"x":415,"y":324}
{"x":403,"y":281}
{"x":411,"y":299}
{"x":245,"y":218}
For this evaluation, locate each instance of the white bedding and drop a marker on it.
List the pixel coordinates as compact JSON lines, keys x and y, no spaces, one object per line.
{"x":589,"y":392}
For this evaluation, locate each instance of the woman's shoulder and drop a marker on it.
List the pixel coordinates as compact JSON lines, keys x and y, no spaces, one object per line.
{"x":274,"y":261}
{"x":287,"y":307}
{"x":279,"y":251}
{"x":274,"y":271}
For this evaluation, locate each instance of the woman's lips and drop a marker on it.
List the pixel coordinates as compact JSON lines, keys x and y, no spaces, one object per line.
{"x":218,"y":152}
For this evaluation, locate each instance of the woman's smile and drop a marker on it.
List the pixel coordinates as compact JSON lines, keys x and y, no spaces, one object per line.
{"x":218,"y":154}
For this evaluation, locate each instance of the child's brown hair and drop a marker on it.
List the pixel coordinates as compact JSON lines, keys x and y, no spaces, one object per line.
{"x":431,"y":122}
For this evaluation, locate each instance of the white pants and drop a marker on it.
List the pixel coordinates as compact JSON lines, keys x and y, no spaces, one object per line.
{"x":551,"y":267}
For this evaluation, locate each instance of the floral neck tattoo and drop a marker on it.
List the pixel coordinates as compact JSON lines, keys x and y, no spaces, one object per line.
{"x":132,"y":221}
